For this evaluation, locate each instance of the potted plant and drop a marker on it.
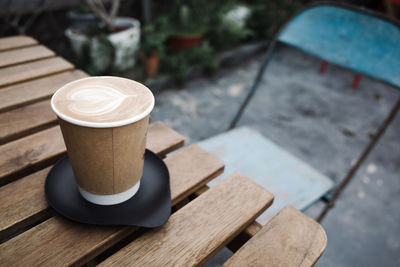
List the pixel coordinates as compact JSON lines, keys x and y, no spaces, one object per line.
{"x":151,"y":47}
{"x":230,"y":26}
{"x":81,"y":18}
{"x":111,"y":44}
{"x":187,"y":22}
{"x":201,"y":56}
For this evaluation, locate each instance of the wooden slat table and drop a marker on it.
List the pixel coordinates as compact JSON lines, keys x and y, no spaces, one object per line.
{"x":203,"y":220}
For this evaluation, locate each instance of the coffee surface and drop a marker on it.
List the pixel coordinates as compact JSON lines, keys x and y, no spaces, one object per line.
{"x":103,"y":99}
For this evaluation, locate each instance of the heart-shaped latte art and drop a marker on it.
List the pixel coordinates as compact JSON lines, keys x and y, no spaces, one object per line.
{"x":103,"y":101}
{"x":96,"y":101}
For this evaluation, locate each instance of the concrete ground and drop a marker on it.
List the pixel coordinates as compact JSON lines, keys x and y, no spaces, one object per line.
{"x":321,"y":120}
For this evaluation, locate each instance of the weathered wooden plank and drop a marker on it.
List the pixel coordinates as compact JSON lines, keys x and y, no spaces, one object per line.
{"x":197,"y":231}
{"x":172,"y":139}
{"x":20,"y":156}
{"x":31,"y":70}
{"x":16,"y":42}
{"x":32,"y":91}
{"x":56,"y":241}
{"x":250,"y":231}
{"x":24,"y":54}
{"x":253,"y":229}
{"x":192,"y":175}
{"x":290,"y":239}
{"x":19,"y":212}
{"x":23,"y":121}
{"x":158,"y":133}
{"x":16,"y":123}
{"x":60,"y":242}
{"x":22,"y":203}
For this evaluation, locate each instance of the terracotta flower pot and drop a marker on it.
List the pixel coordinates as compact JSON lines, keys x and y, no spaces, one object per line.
{"x":150,"y":63}
{"x":181,"y":42}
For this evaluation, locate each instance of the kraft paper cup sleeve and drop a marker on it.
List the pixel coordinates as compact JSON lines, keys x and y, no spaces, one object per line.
{"x":106,"y":160}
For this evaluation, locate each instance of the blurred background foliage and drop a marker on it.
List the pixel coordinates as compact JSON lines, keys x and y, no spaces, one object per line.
{"x":206,"y":28}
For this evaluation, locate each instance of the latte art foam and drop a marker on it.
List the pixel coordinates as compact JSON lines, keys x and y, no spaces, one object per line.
{"x":102,"y":100}
{"x":99,"y":101}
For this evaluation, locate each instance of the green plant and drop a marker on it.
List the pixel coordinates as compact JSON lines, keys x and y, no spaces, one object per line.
{"x":152,"y":40}
{"x":227,"y":33}
{"x":186,"y":19}
{"x":188,"y":22}
{"x":179,"y":63}
{"x":268,"y":16}
{"x":203,"y":55}
{"x":191,"y":17}
{"x":83,"y":9}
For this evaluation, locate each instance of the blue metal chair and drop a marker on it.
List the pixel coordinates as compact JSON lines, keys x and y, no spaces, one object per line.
{"x":362,"y":42}
{"x":351,"y":37}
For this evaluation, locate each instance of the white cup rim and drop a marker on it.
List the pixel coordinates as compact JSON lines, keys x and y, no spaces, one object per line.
{"x":102,"y":124}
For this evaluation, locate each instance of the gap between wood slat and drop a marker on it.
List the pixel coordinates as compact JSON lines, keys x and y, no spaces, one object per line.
{"x":15,"y":42}
{"x":290,"y":238}
{"x":20,"y":105}
{"x":32,"y":70}
{"x":24,"y":55}
{"x":27,"y":132}
{"x":244,"y":236}
{"x":200,"y":229}
{"x":26,"y":121}
{"x":35,"y":90}
{"x":29,"y":154}
{"x":63,"y":242}
{"x":27,"y":62}
{"x":23,"y":203}
{"x":30,"y":188}
{"x":19,"y":47}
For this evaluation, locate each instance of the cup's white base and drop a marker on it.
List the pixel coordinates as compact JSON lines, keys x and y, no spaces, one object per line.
{"x":110,"y":199}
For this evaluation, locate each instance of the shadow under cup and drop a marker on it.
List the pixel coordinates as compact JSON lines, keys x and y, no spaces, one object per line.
{"x":107,"y":162}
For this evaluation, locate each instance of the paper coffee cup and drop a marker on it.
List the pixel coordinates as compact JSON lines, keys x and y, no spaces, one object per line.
{"x":104,"y":123}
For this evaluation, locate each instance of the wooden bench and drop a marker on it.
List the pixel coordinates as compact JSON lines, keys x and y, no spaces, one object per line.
{"x":203,"y":220}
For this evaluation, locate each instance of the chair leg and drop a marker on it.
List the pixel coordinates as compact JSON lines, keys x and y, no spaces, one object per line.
{"x":356,"y":81}
{"x":323,"y":67}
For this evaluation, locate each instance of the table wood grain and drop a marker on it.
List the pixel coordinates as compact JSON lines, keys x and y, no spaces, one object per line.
{"x":35,"y":69}
{"x":60,"y":242}
{"x":25,"y":54}
{"x":32,"y":234}
{"x":25,"y":93}
{"x":289,"y":239}
{"x":13,"y":42}
{"x":198,"y":230}
{"x":18,"y":215}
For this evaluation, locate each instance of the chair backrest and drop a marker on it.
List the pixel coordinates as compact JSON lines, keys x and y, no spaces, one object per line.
{"x":352,"y":37}
{"x":348,"y":36}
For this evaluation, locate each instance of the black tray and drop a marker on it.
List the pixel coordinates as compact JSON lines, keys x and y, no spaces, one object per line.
{"x":149,"y":207}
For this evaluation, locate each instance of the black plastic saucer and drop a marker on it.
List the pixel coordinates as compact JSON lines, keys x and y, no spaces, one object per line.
{"x":149,"y":207}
